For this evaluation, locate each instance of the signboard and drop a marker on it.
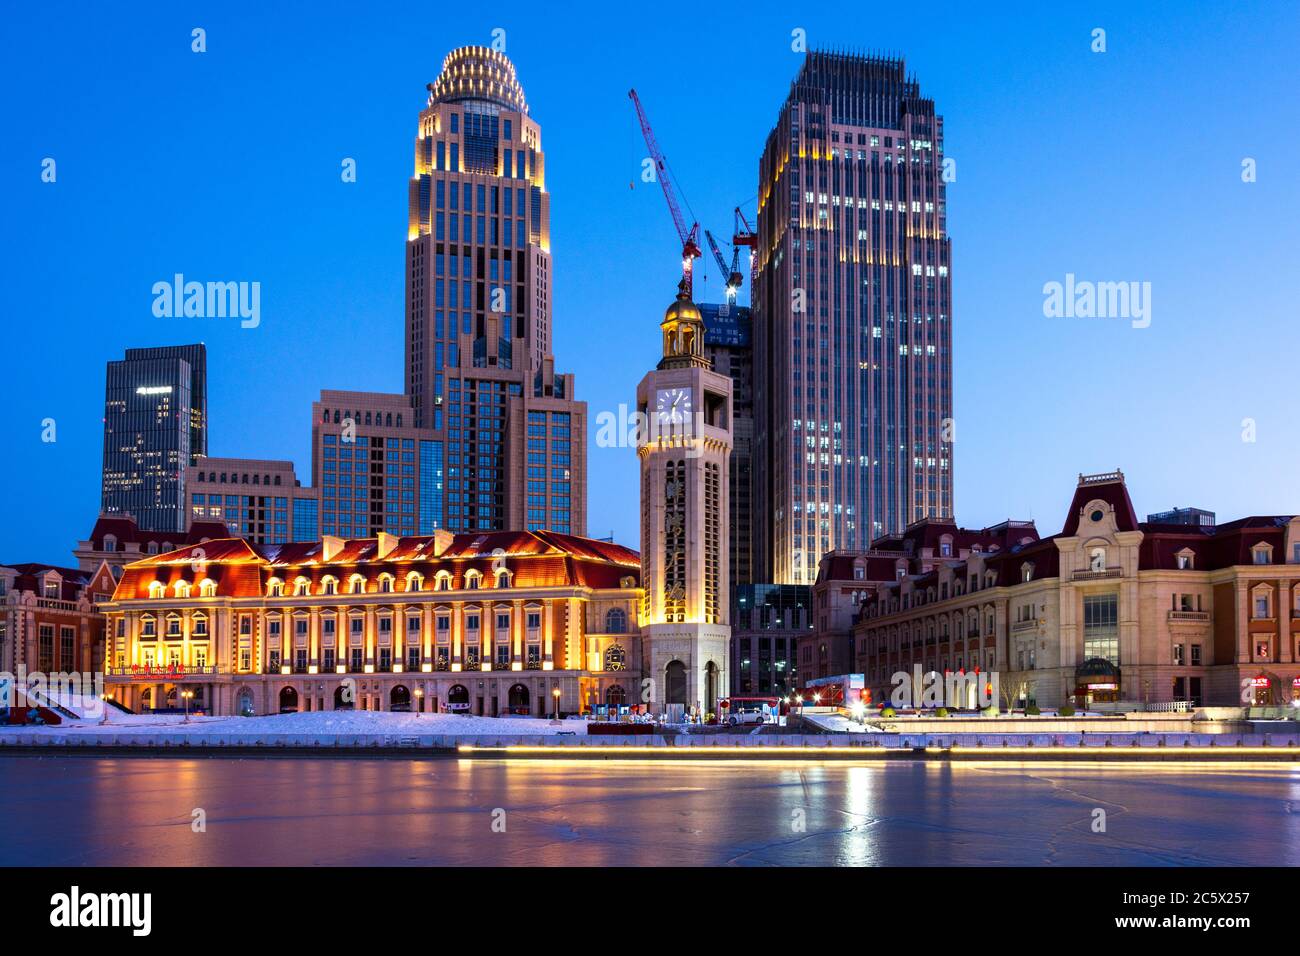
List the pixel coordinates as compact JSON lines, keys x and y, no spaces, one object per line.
{"x":155,"y":671}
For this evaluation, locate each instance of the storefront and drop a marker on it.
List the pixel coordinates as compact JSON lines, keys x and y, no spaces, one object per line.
{"x":1096,"y":681}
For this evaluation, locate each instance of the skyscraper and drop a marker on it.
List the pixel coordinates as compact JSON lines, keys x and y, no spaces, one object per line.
{"x":853,"y":308}
{"x":728,"y":345}
{"x":478,"y":307}
{"x":155,"y":426}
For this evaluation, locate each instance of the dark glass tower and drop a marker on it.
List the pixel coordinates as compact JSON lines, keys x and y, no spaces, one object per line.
{"x":853,"y":316}
{"x":155,"y":425}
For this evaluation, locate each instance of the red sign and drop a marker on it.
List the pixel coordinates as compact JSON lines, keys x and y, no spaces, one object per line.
{"x":154,"y":671}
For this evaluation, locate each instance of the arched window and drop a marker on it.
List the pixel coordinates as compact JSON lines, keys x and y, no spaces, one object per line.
{"x":329,"y":585}
{"x":356,"y":584}
{"x":208,"y":588}
{"x":415,"y":581}
{"x":182,"y":589}
{"x":472,"y":579}
{"x":301,"y":586}
{"x":157,"y":589}
{"x":616,"y":621}
{"x":110,"y":543}
{"x":444,"y":581}
{"x":503,"y":577}
{"x":385,"y":583}
{"x":615,"y":657}
{"x":275,"y":588}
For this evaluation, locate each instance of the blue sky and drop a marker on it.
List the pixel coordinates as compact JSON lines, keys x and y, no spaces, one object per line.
{"x":1119,"y":166}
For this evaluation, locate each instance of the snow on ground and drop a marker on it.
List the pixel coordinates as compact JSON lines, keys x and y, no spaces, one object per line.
{"x":325,"y":722}
{"x":838,"y":723}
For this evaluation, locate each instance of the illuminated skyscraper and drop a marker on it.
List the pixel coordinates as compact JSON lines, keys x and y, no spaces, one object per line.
{"x":155,"y":426}
{"x":478,"y":307}
{"x":852,"y":316}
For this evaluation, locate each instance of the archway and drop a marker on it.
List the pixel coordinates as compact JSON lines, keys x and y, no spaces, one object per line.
{"x":518,"y":699}
{"x":675,"y":683}
{"x":146,"y":699}
{"x":399,"y":698}
{"x":615,"y":696}
{"x":244,"y":706}
{"x":458,"y":698}
{"x":710,"y":688}
{"x":288,"y":701}
{"x":342,"y":699}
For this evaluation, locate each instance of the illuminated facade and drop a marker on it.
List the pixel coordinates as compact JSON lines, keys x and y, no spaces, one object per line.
{"x":485,"y":624}
{"x":1110,"y":611}
{"x":155,"y":426}
{"x":478,"y":307}
{"x":685,"y":462}
{"x":852,"y":316}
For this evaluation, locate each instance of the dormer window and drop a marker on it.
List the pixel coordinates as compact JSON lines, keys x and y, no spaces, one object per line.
{"x":1262,"y":554}
{"x":275,"y":588}
{"x":110,"y":543}
{"x":208,"y":588}
{"x":1186,"y":560}
{"x":1027,"y":571}
{"x":1097,"y":559}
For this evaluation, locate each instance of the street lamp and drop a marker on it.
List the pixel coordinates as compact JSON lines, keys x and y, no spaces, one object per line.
{"x":556,"y":694}
{"x":186,"y":695}
{"x":419,"y":701}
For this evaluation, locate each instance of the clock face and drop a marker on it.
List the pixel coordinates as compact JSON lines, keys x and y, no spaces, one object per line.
{"x":673,"y":405}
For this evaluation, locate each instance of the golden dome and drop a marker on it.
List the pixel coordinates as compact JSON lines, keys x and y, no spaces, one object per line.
{"x":682,"y":309}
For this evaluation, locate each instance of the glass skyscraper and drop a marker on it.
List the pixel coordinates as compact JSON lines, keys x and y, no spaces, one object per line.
{"x":155,"y":426}
{"x":852,"y":316}
{"x":508,"y":433}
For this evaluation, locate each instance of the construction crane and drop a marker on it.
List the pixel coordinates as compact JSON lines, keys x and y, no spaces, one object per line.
{"x":689,"y":237}
{"x":743,"y":235}
{"x":733,"y":273}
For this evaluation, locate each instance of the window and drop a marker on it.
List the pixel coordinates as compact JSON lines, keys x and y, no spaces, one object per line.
{"x":1262,"y":605}
{"x":208,"y":588}
{"x":1101,"y":627}
{"x":615,"y":657}
{"x":616,"y":621}
{"x":1196,"y":655}
{"x":1262,"y":554}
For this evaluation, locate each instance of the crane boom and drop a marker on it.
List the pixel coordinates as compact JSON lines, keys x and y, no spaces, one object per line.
{"x":689,"y":237}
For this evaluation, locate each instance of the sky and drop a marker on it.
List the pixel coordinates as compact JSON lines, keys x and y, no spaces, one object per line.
{"x":1119,"y":166}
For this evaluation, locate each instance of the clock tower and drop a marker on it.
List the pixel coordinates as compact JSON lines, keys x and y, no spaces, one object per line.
{"x":684,"y":453}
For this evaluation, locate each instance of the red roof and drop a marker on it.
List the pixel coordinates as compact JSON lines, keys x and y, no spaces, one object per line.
{"x":535,"y":559}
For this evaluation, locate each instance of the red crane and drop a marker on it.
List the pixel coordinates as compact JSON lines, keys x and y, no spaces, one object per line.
{"x":689,"y":237}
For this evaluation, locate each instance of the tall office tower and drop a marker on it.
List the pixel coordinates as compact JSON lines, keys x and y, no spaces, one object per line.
{"x":478,"y":306}
{"x":852,"y":325}
{"x":728,"y":345}
{"x":155,"y":426}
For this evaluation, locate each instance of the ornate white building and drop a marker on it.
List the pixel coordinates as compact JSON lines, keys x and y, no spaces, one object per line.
{"x":684,"y":456}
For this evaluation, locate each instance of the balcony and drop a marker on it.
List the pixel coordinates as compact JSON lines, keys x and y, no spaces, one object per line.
{"x":1028,"y":625}
{"x":1090,"y":575}
{"x":160,"y":672}
{"x":1197,"y":617}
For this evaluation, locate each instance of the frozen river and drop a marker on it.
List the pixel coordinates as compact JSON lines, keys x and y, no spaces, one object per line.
{"x":321,"y":811}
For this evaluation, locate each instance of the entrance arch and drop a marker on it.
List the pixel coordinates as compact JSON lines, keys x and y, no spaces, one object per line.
{"x":288,"y":701}
{"x":399,"y":698}
{"x":458,"y":699}
{"x":244,"y":706}
{"x":342,"y":700}
{"x":710,"y":688}
{"x":518,"y":699}
{"x":675,"y":683}
{"x":615,"y":696}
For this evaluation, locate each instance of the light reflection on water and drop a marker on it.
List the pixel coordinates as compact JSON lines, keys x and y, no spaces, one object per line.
{"x":322,"y":811}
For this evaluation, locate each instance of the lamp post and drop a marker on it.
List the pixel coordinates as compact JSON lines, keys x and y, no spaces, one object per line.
{"x":186,"y":695}
{"x":419,"y":701}
{"x":556,"y":694}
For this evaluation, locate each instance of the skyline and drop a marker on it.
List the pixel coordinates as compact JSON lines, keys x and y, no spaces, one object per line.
{"x":600,"y":226}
